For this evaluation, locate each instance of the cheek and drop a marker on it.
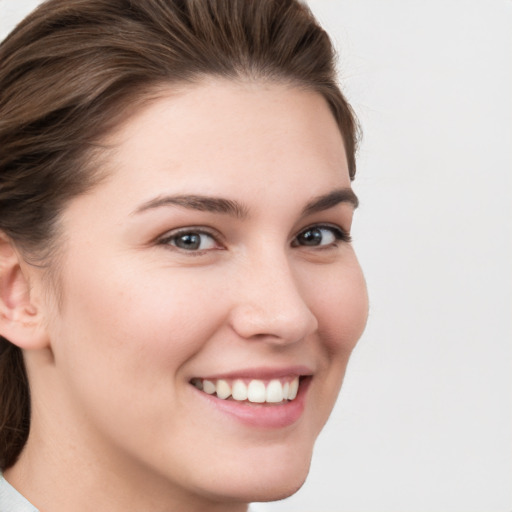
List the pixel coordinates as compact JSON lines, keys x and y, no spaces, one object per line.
{"x":137,"y":319}
{"x":135,"y":325}
{"x":341,"y":307}
{"x":126,"y":343}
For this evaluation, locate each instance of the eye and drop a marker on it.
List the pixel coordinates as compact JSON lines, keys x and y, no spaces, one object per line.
{"x":320,"y":236}
{"x":190,"y":240}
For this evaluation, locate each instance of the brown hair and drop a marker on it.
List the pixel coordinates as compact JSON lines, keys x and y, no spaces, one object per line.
{"x":73,"y":69}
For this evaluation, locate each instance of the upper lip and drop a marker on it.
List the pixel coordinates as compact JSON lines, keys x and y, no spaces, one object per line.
{"x":263,"y":373}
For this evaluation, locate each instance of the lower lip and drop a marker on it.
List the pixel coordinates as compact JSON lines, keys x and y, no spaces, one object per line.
{"x":264,"y":415}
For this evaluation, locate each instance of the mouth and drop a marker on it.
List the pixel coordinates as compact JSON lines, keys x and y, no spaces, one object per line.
{"x":258,"y":391}
{"x":258,"y":397}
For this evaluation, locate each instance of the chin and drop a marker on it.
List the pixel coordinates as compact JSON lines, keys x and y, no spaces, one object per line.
{"x":261,"y":491}
{"x":278,"y":490}
{"x":273,"y":480}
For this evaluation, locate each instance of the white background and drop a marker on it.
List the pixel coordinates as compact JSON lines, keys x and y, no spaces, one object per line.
{"x":424,"y":421}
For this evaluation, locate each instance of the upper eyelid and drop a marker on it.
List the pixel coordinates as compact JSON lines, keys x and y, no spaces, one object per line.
{"x":202,"y":230}
{"x":325,"y":225}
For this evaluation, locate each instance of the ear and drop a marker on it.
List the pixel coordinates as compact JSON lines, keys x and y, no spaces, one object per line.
{"x":21,"y":321}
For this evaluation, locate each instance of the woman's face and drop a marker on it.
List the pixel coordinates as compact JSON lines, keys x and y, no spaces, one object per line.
{"x":216,"y":254}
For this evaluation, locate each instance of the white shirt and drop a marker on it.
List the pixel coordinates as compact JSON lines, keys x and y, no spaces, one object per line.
{"x":11,"y":500}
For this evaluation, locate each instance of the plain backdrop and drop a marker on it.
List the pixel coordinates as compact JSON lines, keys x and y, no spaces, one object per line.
{"x":424,"y":420}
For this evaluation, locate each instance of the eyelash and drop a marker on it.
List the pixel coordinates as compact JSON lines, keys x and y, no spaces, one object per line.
{"x":339,"y":234}
{"x":175,"y":235}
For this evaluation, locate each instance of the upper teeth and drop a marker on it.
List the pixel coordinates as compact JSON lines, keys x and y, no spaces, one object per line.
{"x":255,"y":390}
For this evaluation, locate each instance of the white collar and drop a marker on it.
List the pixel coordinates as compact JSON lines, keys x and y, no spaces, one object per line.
{"x":11,"y":500}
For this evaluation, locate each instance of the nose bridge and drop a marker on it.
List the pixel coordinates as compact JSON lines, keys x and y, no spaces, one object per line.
{"x":270,"y":303}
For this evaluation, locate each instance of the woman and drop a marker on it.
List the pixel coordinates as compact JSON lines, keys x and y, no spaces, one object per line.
{"x":178,"y":289}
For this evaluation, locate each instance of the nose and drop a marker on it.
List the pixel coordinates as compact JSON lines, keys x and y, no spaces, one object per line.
{"x":270,"y":303}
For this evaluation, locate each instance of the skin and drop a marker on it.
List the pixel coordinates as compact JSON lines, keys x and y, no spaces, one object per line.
{"x":116,"y":423}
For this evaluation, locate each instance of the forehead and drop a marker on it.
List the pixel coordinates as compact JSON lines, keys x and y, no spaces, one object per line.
{"x":225,"y":138}
{"x":234,"y":121}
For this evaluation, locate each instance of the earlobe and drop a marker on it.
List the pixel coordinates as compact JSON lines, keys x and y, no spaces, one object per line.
{"x":21,"y":321}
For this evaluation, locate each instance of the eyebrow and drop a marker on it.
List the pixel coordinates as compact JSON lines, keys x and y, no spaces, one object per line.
{"x":240,"y":211}
{"x":197,"y":202}
{"x":326,"y":201}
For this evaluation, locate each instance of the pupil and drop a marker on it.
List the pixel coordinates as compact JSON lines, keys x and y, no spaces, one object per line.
{"x":311,"y":237}
{"x":189,"y":241}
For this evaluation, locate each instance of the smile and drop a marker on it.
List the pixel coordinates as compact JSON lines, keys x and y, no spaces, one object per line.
{"x":272,"y":391}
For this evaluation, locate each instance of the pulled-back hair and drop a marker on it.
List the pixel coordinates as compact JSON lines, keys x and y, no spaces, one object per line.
{"x":74,"y":69}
